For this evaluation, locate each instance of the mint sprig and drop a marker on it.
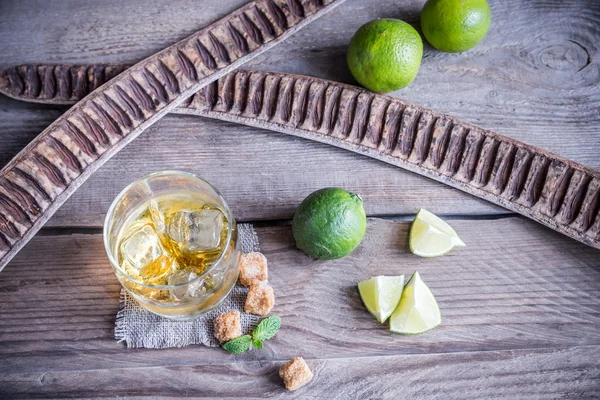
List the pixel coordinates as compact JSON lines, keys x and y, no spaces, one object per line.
{"x":266,"y":329}
{"x":257,"y":344}
{"x":238,"y":345}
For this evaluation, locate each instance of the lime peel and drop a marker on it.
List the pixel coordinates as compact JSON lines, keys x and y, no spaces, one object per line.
{"x":385,"y":55}
{"x":330,"y":223}
{"x":455,"y":25}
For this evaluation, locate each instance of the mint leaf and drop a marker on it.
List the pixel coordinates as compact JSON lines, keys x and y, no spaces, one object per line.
{"x":238,"y":345}
{"x":267,"y":328}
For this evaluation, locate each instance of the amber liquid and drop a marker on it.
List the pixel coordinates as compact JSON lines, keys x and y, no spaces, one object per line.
{"x":157,"y":212}
{"x":156,"y":216}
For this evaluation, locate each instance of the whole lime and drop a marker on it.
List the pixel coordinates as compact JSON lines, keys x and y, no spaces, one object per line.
{"x":330,"y":223}
{"x":385,"y":55}
{"x":455,"y":25}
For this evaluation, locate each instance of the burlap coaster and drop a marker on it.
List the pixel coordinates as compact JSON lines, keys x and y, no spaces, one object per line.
{"x":138,"y":327}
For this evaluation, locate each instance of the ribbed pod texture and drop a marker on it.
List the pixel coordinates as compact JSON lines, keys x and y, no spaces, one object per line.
{"x":43,"y":175}
{"x":557,"y":192}
{"x":554,"y":191}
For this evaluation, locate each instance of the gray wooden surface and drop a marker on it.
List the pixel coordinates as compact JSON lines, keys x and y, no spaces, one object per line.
{"x":520,"y":304}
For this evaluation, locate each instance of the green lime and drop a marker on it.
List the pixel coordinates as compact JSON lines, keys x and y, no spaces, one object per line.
{"x":430,"y":236}
{"x":417,"y":311}
{"x":329,"y":224}
{"x":381,"y":295}
{"x":385,"y":54}
{"x":455,"y":25}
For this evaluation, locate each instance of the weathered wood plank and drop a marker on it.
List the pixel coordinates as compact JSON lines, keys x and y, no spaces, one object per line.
{"x":572,"y":373}
{"x":549,"y":95}
{"x":535,"y":77}
{"x":513,"y":287}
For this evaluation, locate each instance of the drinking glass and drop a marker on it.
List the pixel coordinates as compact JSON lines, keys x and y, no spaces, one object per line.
{"x":187,"y":300}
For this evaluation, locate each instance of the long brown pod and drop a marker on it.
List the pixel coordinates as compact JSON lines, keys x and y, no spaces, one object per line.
{"x":557,"y":192}
{"x":44,"y":174}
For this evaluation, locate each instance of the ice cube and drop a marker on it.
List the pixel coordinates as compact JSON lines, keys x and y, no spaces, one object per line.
{"x":198,"y":230}
{"x":186,"y":291}
{"x":158,"y":219}
{"x":141,"y":247}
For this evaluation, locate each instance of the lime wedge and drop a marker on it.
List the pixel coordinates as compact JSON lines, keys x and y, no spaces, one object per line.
{"x":430,"y":236}
{"x":417,"y":311}
{"x":381,"y":295}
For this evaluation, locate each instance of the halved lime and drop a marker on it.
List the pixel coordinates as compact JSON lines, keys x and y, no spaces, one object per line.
{"x":417,"y":311}
{"x":381,"y":295}
{"x":430,"y":236}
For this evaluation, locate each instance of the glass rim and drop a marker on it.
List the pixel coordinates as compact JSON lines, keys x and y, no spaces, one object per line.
{"x":115,"y":264}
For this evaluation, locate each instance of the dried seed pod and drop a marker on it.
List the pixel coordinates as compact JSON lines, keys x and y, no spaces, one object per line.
{"x":547,"y":188}
{"x":64,"y":155}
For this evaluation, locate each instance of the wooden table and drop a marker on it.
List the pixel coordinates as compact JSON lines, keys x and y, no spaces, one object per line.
{"x":520,"y":305}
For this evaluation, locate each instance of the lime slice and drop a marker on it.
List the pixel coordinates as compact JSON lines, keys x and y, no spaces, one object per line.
{"x":430,"y":236}
{"x":417,"y":311}
{"x":381,"y":295}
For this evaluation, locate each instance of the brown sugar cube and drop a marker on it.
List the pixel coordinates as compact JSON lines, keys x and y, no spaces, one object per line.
{"x":260,"y":299}
{"x":228,"y":326}
{"x":295,"y":374}
{"x":253,"y":268}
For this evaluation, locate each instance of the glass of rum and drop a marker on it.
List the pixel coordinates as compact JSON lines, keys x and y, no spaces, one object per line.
{"x":172,"y":242}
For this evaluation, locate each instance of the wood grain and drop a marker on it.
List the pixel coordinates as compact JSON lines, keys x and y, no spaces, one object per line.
{"x":534,"y":78}
{"x":44,"y":174}
{"x":525,"y":374}
{"x":518,"y":71}
{"x":559,"y":193}
{"x":513,"y":287}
